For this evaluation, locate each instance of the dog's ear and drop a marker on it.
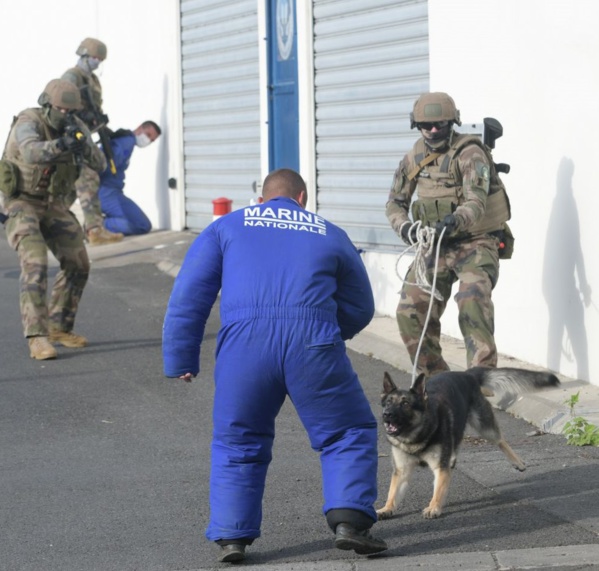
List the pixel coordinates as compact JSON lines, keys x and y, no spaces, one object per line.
{"x":419,"y":386}
{"x":388,"y":384}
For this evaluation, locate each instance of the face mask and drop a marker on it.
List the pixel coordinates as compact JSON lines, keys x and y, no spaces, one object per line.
{"x":142,"y":140}
{"x":93,"y":63}
{"x":55,"y":118}
{"x":437,"y":140}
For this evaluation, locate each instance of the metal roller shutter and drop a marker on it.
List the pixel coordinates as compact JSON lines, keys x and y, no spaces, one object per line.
{"x":371,"y":62}
{"x":221,"y":104}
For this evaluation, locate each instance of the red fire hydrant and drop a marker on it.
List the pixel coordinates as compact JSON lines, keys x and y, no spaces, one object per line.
{"x":220,"y":207}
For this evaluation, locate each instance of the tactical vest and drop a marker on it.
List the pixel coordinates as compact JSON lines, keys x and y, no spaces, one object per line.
{"x":440,"y":191}
{"x":38,"y":180}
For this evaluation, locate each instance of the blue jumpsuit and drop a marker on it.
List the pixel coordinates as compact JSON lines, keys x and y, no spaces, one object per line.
{"x":293,"y":288}
{"x":122,"y":214}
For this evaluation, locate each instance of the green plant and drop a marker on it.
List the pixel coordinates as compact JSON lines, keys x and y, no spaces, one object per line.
{"x":579,"y":431}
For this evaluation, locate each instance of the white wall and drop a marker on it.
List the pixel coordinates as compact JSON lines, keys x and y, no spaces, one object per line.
{"x":139,"y":78}
{"x":534,"y":65}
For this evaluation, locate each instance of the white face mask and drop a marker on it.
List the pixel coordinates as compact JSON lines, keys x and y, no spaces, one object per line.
{"x":93,"y":63}
{"x":142,"y":140}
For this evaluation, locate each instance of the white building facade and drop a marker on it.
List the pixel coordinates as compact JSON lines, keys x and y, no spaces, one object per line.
{"x":326,"y":86}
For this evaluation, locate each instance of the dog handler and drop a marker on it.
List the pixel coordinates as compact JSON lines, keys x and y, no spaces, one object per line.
{"x":293,"y":289}
{"x":458,"y":190}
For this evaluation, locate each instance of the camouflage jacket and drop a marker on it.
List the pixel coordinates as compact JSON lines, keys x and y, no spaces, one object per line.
{"x":34,"y":148}
{"x":456,"y":181}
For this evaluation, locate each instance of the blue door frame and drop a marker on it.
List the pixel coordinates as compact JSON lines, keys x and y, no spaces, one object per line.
{"x":283,"y":109}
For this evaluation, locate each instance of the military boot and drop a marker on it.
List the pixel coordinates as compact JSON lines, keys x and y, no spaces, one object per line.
{"x":99,"y":235}
{"x":67,"y":338}
{"x":41,"y":349}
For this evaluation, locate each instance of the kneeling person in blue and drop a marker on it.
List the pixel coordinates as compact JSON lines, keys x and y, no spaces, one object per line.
{"x":121,"y":213}
{"x":293,"y":289}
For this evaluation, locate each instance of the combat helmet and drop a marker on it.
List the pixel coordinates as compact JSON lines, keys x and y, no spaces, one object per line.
{"x":93,"y":48}
{"x":61,"y":93}
{"x":432,"y":107}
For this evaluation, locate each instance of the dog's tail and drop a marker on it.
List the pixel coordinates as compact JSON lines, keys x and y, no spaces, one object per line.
{"x":514,"y":380}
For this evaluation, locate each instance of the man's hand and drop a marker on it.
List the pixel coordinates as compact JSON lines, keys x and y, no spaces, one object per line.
{"x":449,"y":223}
{"x":74,"y":144}
{"x":408,"y":233}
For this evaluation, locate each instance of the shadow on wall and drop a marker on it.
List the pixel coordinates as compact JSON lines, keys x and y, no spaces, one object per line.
{"x":565,"y":286}
{"x":162,"y":191}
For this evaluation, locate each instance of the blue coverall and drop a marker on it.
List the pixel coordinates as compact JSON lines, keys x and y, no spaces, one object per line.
{"x":293,"y":288}
{"x":122,"y":214}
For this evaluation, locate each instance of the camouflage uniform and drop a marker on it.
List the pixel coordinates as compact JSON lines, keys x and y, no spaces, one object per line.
{"x":467,"y":255}
{"x":39,"y":218}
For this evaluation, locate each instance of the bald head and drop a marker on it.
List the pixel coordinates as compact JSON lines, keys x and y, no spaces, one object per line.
{"x":285,"y":182}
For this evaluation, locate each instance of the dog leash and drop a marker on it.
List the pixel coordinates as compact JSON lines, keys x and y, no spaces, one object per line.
{"x":422,"y":245}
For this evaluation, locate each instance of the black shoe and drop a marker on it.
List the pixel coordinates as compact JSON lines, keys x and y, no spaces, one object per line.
{"x":232,"y":553}
{"x":347,"y":538}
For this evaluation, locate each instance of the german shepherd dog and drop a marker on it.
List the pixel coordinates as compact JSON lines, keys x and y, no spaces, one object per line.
{"x":425,"y":424}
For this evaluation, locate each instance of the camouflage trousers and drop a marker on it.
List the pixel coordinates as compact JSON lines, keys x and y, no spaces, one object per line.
{"x":86,"y":190}
{"x":475,"y":264}
{"x":34,"y":226}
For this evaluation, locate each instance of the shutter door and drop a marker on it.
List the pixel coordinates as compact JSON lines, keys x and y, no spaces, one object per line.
{"x":371,"y":63}
{"x":221,"y":104}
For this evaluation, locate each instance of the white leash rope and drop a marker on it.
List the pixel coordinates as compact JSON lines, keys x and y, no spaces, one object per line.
{"x":423,"y":248}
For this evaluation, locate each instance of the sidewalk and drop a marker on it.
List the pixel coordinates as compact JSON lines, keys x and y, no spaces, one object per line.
{"x":380,"y":340}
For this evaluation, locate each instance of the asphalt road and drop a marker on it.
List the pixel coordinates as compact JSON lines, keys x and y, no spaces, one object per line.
{"x":104,"y":463}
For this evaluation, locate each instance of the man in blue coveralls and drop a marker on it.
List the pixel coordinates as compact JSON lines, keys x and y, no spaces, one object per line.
{"x":121,"y":213}
{"x":293,"y":289}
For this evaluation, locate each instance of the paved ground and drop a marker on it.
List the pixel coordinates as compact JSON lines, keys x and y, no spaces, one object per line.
{"x":131,"y":500}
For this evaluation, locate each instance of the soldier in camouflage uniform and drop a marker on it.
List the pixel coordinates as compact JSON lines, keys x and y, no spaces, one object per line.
{"x":452,"y":173}
{"x":44,"y":151}
{"x":91,"y":53}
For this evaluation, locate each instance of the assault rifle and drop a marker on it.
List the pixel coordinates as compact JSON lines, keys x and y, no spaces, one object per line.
{"x":72,"y":129}
{"x":492,"y":131}
{"x":103,"y":132}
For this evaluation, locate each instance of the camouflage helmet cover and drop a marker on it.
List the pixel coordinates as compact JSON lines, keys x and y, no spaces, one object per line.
{"x":61,"y":93}
{"x":92,"y":47}
{"x":431,"y":107}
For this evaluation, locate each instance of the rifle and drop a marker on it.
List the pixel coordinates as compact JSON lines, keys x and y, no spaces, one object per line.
{"x":103,"y":131}
{"x":72,"y":129}
{"x":492,"y":131}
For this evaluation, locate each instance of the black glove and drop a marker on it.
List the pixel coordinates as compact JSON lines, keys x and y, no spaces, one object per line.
{"x":75,"y":143}
{"x":88,"y":117}
{"x":449,"y":223}
{"x":408,"y":234}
